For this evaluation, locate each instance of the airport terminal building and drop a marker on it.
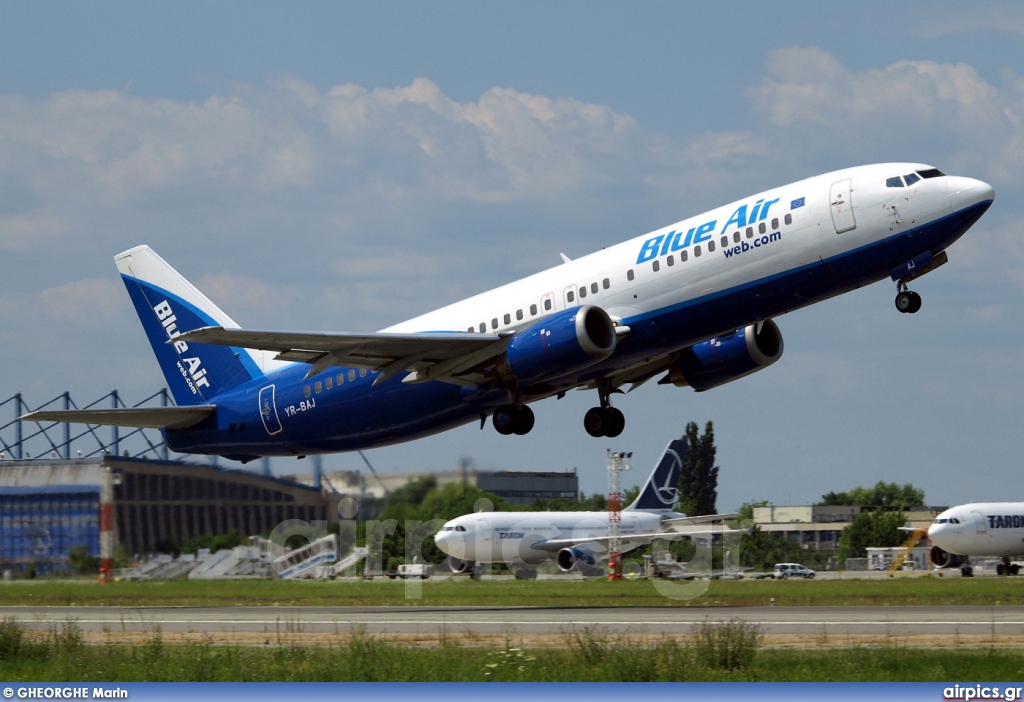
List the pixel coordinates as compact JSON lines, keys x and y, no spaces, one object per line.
{"x":49,"y":506}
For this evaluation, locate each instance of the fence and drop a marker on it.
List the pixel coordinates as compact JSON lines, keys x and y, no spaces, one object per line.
{"x":55,"y":439}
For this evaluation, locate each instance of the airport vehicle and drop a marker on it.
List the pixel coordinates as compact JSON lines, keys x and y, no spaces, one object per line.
{"x":412,"y":570}
{"x":692,"y":303}
{"x":783,"y":571}
{"x":978,"y":529}
{"x":576,"y":541}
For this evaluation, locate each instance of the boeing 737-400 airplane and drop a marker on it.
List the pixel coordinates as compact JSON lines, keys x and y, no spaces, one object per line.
{"x":978,"y":529}
{"x":576,"y":540}
{"x":692,"y":302}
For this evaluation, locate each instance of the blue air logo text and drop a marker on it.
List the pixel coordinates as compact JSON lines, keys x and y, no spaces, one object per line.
{"x":664,"y":244}
{"x":756,"y":243}
{"x":194,"y":375}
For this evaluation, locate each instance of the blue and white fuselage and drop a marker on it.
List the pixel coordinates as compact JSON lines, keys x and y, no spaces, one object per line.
{"x":691,"y":302}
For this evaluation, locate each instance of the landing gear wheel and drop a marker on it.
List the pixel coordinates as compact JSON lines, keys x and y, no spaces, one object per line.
{"x":1001,"y":569}
{"x":1015,"y":569}
{"x":504,"y":419}
{"x":615,"y":422}
{"x":908,"y":301}
{"x":967,"y":572}
{"x":593,"y":422}
{"x":509,"y":419}
{"x":524,"y":421}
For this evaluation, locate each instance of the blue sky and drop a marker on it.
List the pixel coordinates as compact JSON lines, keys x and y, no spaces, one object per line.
{"x":344,"y":166}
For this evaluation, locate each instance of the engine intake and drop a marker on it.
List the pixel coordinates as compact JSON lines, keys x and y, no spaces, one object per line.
{"x":944,"y":559}
{"x":572,"y":556}
{"x":725,"y":358}
{"x":560,"y":344}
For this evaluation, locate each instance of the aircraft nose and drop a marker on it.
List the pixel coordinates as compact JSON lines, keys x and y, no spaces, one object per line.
{"x":967,"y":192}
{"x":441,"y":539}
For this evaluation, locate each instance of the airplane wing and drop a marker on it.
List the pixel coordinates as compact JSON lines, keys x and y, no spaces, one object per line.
{"x":631,"y":541}
{"x":452,"y":357}
{"x":705,"y":519}
{"x":144,"y":417}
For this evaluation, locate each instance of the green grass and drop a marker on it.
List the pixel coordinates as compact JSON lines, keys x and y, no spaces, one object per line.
{"x":586,"y":656}
{"x":543,"y":593}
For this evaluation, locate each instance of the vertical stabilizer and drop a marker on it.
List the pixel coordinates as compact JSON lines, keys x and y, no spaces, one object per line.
{"x":168,"y":305}
{"x":661,"y":490}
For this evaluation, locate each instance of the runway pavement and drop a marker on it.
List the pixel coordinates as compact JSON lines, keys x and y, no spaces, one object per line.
{"x":807,"y":624}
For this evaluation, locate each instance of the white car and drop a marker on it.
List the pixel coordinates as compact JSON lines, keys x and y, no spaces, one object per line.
{"x":792,"y":570}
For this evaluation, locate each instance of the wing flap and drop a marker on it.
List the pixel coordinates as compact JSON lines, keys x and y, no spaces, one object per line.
{"x":141,"y":417}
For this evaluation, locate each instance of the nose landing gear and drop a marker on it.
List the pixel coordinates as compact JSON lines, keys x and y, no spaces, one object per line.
{"x":907,"y":301}
{"x":604,"y":420}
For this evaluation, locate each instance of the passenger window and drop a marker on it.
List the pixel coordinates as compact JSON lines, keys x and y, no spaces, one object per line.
{"x":736,"y":237}
{"x":329,"y":383}
{"x":725,"y":241}
{"x":483,"y":327}
{"x":519,"y":314}
{"x":629,"y":274}
{"x":762,"y":228}
{"x":508,"y":318}
{"x":683,"y":255}
{"x":547,"y":304}
{"x":341,"y":378}
{"x":318,"y":387}
{"x":656,"y":266}
{"x":775,"y":223}
{"x":470,"y":330}
{"x":711,"y":245}
{"x":750,"y":232}
{"x":570,"y":296}
{"x":789,"y":219}
{"x":533,"y":310}
{"x":306,"y":391}
{"x":671,"y":260}
{"x":362,"y":372}
{"x":894,"y":182}
{"x":352,"y":374}
{"x":583,"y":293}
{"x":593,"y":287}
{"x":911,"y":179}
{"x":606,"y":283}
{"x":494,"y":323}
{"x":696,"y":251}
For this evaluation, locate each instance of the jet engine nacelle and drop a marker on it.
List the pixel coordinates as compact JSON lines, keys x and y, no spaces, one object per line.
{"x":574,"y":555}
{"x":563,"y":343}
{"x":944,"y":559}
{"x":725,"y":358}
{"x":457,"y":565}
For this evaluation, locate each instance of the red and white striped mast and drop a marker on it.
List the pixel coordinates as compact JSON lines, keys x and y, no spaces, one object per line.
{"x":617,"y":462}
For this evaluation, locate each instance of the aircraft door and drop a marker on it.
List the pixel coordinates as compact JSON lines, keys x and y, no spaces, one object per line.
{"x":980,"y":521}
{"x":268,"y":411}
{"x":842,"y":206}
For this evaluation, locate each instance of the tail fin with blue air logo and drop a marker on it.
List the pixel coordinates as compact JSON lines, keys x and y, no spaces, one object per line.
{"x":168,"y":305}
{"x":661,"y":490}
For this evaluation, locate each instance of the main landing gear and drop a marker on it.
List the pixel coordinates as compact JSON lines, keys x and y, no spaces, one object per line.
{"x":1007,"y":568}
{"x":604,"y":420}
{"x":907,"y":301}
{"x":513,"y":419}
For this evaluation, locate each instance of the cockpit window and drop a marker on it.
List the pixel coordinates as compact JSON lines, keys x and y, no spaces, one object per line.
{"x":931,"y":173}
{"x":894,"y":182}
{"x":911,"y":178}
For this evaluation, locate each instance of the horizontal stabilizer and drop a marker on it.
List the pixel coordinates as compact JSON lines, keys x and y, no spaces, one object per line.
{"x":142,"y":417}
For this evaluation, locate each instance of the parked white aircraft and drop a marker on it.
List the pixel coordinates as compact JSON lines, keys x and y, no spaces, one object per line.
{"x":978,"y":529}
{"x":575,"y":539}
{"x":692,"y":303}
